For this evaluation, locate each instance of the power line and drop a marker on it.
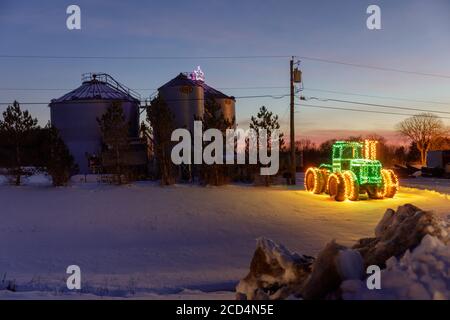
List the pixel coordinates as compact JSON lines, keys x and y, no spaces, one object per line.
{"x":237,"y":57}
{"x":34,"y":89}
{"x":260,"y":88}
{"x":264,"y":96}
{"x":374,"y":105}
{"x":302,"y":105}
{"x":26,"y":103}
{"x":145,"y":89}
{"x":253,"y":88}
{"x":271,"y":96}
{"x":359,"y":110}
{"x":243,"y":57}
{"x":376,"y":96}
{"x":167,"y":100}
{"x":285,"y":114}
{"x":379,"y":68}
{"x":284,"y":96}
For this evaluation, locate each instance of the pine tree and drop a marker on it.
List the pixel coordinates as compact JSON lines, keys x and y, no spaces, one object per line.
{"x":16,"y":126}
{"x":60,"y":163}
{"x":265,"y":119}
{"x":214,"y":118}
{"x":145,"y":133}
{"x":115,"y":134}
{"x":161,"y":121}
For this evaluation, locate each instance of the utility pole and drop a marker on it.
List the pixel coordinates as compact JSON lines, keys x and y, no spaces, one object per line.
{"x":292,"y":126}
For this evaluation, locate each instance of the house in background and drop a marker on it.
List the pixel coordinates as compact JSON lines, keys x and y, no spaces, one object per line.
{"x":439,"y":159}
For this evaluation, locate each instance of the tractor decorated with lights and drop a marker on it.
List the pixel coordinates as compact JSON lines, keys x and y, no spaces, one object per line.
{"x":354,"y":171}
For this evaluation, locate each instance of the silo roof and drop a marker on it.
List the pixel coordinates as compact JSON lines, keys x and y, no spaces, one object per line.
{"x":180,"y":80}
{"x":213,"y":93}
{"x":184,"y":80}
{"x":95,"y":90}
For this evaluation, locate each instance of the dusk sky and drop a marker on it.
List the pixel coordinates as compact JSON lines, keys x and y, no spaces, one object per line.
{"x":414,"y":37}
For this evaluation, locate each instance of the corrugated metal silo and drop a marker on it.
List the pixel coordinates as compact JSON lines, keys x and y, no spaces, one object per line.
{"x":227,"y":103}
{"x":184,"y":97}
{"x":75,"y":114}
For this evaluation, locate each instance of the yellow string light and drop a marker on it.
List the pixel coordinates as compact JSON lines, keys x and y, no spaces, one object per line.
{"x":390,"y":183}
{"x":370,"y":149}
{"x":366,"y":149}
{"x":329,"y":178}
{"x":315,"y":173}
{"x":373,"y":150}
{"x":349,"y":179}
{"x":325,"y":175}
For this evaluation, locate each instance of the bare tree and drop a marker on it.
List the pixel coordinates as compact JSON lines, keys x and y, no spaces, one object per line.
{"x":425,"y":130}
{"x":304,"y":144}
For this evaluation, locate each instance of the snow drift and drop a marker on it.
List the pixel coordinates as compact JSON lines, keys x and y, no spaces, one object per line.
{"x":423,"y":273}
{"x":411,"y":245}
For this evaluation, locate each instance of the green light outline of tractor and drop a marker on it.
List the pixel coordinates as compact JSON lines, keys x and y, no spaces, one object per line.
{"x":351,"y":175}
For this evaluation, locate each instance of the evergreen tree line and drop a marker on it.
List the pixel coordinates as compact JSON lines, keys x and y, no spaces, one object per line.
{"x":26,"y":148}
{"x":161,"y":126}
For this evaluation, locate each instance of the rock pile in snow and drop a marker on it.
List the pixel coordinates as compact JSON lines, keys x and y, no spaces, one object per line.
{"x":399,"y":231}
{"x":334,"y":264}
{"x":275,"y":273}
{"x":412,"y":245}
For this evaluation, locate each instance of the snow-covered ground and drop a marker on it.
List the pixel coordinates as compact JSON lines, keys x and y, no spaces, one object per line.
{"x":179,"y":242}
{"x":436,"y":184}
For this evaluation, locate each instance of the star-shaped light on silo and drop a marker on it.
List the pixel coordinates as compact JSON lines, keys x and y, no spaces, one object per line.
{"x":198,"y":74}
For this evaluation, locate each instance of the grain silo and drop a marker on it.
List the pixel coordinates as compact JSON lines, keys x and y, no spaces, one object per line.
{"x":227,"y":103}
{"x":186,"y":95}
{"x":75,"y":114}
